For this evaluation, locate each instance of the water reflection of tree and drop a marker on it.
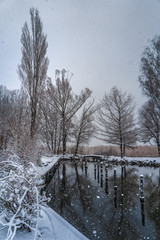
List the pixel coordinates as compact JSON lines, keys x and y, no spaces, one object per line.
{"x":124,"y":201}
{"x":62,"y":189}
{"x":86,"y":206}
{"x":152,"y":202}
{"x":57,"y":188}
{"x":80,"y":189}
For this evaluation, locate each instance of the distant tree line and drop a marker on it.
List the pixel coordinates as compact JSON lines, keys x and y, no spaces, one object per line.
{"x":47,"y":113}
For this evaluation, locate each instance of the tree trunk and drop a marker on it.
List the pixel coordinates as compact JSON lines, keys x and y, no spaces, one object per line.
{"x":33,"y":123}
{"x":124,"y":150}
{"x":55,"y":139}
{"x":64,"y":143}
{"x":76,"y":149}
{"x":64,"y":136}
{"x":1,"y":142}
{"x":158,"y":147}
{"x":52,"y":141}
{"x":121,"y":149}
{"x":58,"y":145}
{"x":121,"y":144}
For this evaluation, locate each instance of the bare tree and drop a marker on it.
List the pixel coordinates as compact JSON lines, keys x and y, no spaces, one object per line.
{"x":83,"y":126}
{"x":20,"y":125}
{"x":116,"y":123}
{"x":50,"y":125}
{"x":150,"y":84}
{"x":150,"y":123}
{"x":14,"y":132}
{"x":65,"y":101}
{"x":34,"y":64}
{"x":6,"y":105}
{"x":150,"y":71}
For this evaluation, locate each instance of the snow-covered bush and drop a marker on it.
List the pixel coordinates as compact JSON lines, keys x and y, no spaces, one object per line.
{"x":19,"y":196}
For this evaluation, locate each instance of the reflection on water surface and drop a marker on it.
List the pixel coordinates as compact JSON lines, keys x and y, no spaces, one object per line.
{"x":103,"y":202}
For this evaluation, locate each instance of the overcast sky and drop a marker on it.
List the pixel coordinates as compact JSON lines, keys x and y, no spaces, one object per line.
{"x":99,"y":41}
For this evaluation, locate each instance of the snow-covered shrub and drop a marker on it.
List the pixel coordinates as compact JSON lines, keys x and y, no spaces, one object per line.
{"x":26,"y":149}
{"x":19,"y":196}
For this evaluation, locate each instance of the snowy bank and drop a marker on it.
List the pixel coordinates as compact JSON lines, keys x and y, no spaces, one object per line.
{"x":50,"y":225}
{"x":57,"y":228}
{"x":47,"y":164}
{"x":140,"y":161}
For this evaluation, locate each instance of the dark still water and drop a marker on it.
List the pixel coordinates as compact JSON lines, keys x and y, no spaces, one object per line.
{"x":104,"y":203}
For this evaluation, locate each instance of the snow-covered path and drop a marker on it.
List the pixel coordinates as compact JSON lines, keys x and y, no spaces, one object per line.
{"x":54,"y":227}
{"x":48,"y":163}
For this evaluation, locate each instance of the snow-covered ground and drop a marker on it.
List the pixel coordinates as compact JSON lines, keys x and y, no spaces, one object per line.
{"x":47,"y":163}
{"x":57,"y":227}
{"x":50,"y":225}
{"x":143,"y":159}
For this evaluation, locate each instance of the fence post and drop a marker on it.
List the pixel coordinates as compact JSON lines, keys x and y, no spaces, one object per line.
{"x":115,"y":178}
{"x":115,"y":187}
{"x":98,"y":170}
{"x":141,"y":189}
{"x":86,"y":167}
{"x":101,"y":174}
{"x":142,"y":200}
{"x":106,"y":170}
{"x":95,"y":170}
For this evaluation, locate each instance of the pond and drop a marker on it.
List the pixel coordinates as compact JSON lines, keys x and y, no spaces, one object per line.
{"x":108,"y":202}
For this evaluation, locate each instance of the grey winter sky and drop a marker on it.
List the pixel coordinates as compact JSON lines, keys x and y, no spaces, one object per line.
{"x":99,"y":41}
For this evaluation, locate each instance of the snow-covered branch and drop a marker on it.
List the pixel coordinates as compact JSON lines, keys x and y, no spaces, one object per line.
{"x":19,"y":197}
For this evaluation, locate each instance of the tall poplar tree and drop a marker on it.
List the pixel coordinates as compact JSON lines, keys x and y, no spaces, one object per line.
{"x":34,"y":64}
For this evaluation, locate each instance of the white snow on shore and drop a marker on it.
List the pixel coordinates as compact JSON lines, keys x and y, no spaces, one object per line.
{"x":51,"y":225}
{"x":47,"y":163}
{"x":142,"y":159}
{"x":57,"y":228}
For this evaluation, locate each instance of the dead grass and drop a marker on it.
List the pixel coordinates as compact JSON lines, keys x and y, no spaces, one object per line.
{"x":139,"y":151}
